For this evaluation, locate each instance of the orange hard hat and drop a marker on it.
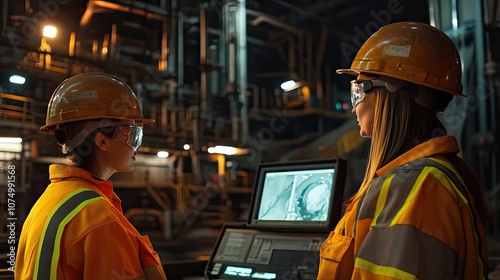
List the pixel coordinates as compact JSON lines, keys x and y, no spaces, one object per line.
{"x":92,"y":96}
{"x":414,"y":52}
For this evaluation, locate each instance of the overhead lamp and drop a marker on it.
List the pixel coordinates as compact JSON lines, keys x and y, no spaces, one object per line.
{"x":290,"y":85}
{"x":11,"y":144}
{"x":17,"y":79}
{"x":49,"y":31}
{"x":225,"y":150}
{"x":10,"y":140}
{"x":162,"y":154}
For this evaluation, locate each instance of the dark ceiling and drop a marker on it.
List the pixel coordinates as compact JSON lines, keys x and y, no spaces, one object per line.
{"x":347,"y":24}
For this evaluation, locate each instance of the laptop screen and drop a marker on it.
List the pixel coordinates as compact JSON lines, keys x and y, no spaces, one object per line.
{"x":300,"y":195}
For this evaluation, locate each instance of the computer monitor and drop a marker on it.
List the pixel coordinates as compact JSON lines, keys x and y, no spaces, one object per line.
{"x":302,"y":195}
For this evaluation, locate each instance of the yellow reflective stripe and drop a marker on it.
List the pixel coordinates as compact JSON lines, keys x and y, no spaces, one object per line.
{"x":55,"y":251}
{"x":35,"y":275}
{"x":382,"y":198}
{"x":60,"y":229}
{"x":410,"y":196}
{"x":436,"y":173}
{"x":452,"y":188}
{"x":450,"y":167}
{"x":449,"y":185}
{"x":383,"y":270}
{"x":466,"y":202}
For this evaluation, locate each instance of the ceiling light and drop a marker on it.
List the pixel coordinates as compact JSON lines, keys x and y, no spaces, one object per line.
{"x":49,"y":31}
{"x":11,"y":144}
{"x":291,"y":85}
{"x":16,"y":79}
{"x":162,"y":154}
{"x":225,"y":150}
{"x":288,"y":85}
{"x":11,"y":140}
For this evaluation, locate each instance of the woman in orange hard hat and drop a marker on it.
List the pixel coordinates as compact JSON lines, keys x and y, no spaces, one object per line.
{"x":419,"y":212}
{"x":76,"y":229}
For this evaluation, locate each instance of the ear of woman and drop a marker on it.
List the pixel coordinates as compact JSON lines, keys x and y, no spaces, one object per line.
{"x":100,"y":141}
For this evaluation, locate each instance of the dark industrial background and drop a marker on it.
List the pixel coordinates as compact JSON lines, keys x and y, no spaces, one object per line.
{"x":209,"y":73}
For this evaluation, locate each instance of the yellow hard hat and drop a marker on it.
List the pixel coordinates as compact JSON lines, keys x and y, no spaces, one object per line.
{"x":92,"y":96}
{"x":414,"y":52}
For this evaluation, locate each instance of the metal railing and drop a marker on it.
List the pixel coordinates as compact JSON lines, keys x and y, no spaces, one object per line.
{"x":21,"y":109}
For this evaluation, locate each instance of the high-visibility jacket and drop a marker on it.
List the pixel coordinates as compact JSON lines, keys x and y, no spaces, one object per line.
{"x":76,"y":230}
{"x":415,"y":220}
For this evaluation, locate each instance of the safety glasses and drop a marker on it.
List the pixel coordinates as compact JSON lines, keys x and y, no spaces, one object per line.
{"x":129,"y":134}
{"x":360,"y":87}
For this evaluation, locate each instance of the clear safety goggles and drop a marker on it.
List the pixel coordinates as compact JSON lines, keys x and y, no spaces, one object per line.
{"x":129,"y":134}
{"x":360,"y":87}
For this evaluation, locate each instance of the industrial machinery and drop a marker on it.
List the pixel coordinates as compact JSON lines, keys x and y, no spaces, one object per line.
{"x":294,"y":207}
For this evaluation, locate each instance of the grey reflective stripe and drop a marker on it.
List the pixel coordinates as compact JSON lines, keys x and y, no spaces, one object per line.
{"x":399,"y":189}
{"x":437,"y":266}
{"x":49,"y":248}
{"x":450,"y":174}
{"x":426,"y":264}
{"x":475,"y":216}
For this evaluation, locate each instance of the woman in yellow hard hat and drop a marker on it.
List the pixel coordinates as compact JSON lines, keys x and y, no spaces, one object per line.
{"x":76,"y":229}
{"x":419,"y":212}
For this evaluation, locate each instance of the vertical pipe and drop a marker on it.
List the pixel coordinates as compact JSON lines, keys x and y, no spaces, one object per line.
{"x":232,"y":64}
{"x":174,"y":37}
{"x":195,"y":160}
{"x":105,"y":47}
{"x":241,"y":24}
{"x":223,"y":47}
{"x":164,"y":119}
{"x":432,"y":12}
{"x":201,"y":110}
{"x":180,"y":52}
{"x":95,"y":49}
{"x":27,"y":7}
{"x":291,"y":58}
{"x":300,"y":55}
{"x":309,"y":55}
{"x":71,"y":44}
{"x":203,"y":61}
{"x":221,"y":166}
{"x":113,"y":42}
{"x":4,"y":18}
{"x":454,"y":18}
{"x":479,"y":47}
{"x":162,"y":61}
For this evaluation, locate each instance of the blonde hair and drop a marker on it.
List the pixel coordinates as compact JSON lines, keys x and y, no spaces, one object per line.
{"x":400,"y":124}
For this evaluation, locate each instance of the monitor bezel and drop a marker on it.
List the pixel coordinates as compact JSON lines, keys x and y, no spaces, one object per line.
{"x":335,"y":201}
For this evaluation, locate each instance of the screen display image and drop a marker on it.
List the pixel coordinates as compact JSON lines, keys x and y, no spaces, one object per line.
{"x":301,"y":195}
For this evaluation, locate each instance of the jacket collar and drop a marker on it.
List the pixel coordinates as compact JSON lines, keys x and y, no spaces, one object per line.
{"x":59,"y":172}
{"x":432,"y":147}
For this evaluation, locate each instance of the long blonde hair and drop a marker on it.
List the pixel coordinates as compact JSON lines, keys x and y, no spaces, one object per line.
{"x":400,"y":124}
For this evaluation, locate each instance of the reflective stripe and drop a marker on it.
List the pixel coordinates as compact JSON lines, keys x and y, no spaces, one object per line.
{"x":407,"y":243}
{"x":383,"y":270}
{"x":50,"y":241}
{"x":458,"y":185}
{"x":389,"y":198}
{"x":449,"y":167}
{"x":382,"y":198}
{"x":409,"y":198}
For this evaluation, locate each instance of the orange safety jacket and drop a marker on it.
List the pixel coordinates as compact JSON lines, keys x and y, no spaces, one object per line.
{"x":76,"y":230}
{"x":415,"y":220}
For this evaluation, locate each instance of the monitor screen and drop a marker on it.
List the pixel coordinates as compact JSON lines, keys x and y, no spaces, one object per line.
{"x":301,"y":195}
